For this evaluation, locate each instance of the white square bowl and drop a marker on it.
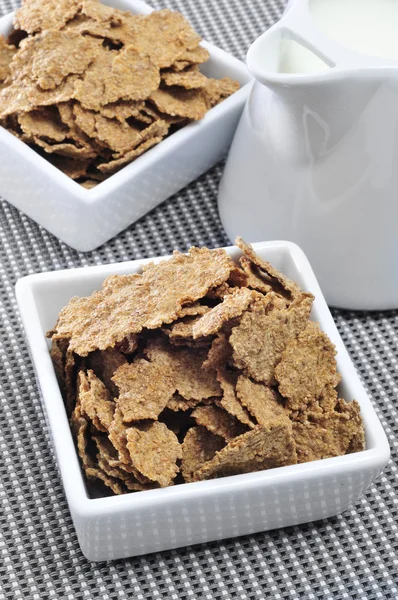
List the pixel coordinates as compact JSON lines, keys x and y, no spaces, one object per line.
{"x":85,"y":219}
{"x":149,"y":521}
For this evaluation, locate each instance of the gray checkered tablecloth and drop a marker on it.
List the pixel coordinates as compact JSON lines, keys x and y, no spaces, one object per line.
{"x":354,"y":555}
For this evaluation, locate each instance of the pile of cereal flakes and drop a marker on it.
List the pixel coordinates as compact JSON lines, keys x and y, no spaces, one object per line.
{"x":199,"y":367}
{"x":91,"y":88}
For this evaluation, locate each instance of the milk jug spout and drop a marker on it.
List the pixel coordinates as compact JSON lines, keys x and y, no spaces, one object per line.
{"x":280,"y":59}
{"x":296,"y":48}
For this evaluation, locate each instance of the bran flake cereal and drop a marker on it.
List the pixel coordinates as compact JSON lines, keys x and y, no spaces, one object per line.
{"x":189,"y":378}
{"x":334,"y":433}
{"x":95,"y":400}
{"x":306,"y":367}
{"x":154,"y":451}
{"x":134,"y":302}
{"x":44,"y":122}
{"x":48,"y":58}
{"x":164,"y":36}
{"x":121,"y":83}
{"x":117,"y":436}
{"x":178,"y":403}
{"x":230,"y":401}
{"x":262,"y":402}
{"x":263,"y":334}
{"x":218,"y":421}
{"x":196,"y":56}
{"x":258,"y":449}
{"x":199,"y":447}
{"x":233,"y":306}
{"x":197,"y":368}
{"x":220,"y":352}
{"x":186,"y":79}
{"x":80,"y":428}
{"x":105,"y":363}
{"x":40,"y":15}
{"x":179,"y":102}
{"x":144,"y":389}
{"x":7,"y":53}
{"x":277,"y":280}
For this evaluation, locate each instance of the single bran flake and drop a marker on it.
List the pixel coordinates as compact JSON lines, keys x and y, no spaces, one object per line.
{"x":263,"y":334}
{"x":307,"y":365}
{"x":154,"y":451}
{"x":258,"y":449}
{"x":218,"y":421}
{"x":334,"y":433}
{"x":95,"y":401}
{"x":233,"y":305}
{"x":262,"y":402}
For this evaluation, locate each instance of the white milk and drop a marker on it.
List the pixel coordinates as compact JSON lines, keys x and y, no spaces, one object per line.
{"x":294,"y":58}
{"x":365,"y":26}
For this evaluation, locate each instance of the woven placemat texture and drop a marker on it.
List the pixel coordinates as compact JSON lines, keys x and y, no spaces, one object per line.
{"x":351,"y":556}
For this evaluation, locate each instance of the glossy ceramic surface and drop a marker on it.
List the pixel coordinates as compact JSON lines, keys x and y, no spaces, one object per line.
{"x":116,"y":527}
{"x":85,"y":219}
{"x":315,"y":161}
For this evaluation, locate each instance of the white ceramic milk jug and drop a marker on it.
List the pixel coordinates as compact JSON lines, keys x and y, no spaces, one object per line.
{"x":315,"y":157}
